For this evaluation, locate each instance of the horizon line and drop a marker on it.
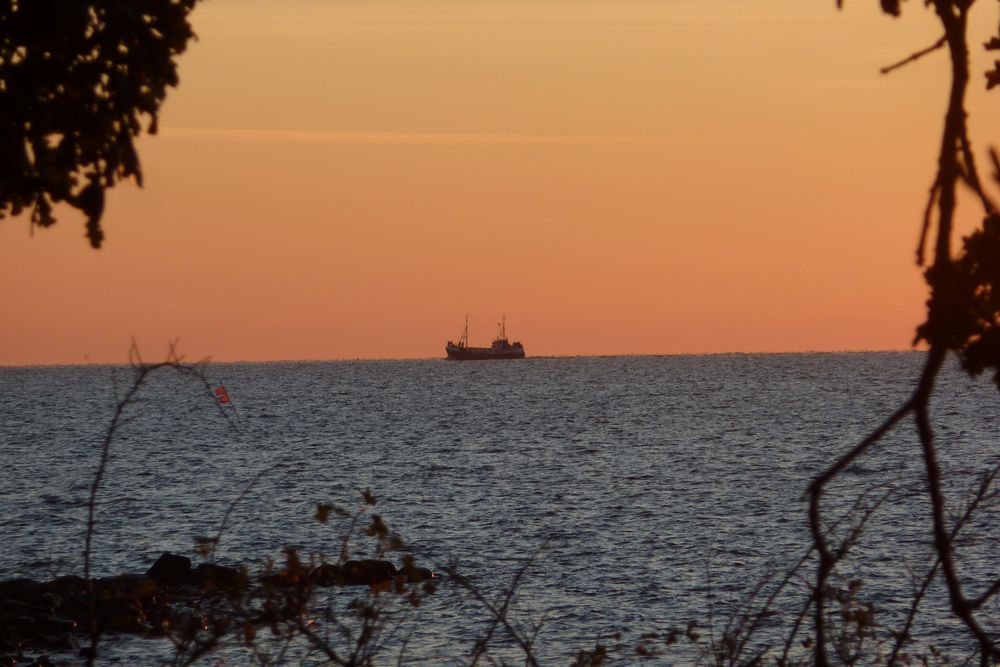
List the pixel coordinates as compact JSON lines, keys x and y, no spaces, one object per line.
{"x":209,"y":360}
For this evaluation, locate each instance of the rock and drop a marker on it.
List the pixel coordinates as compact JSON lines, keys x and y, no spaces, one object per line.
{"x":416,"y":575}
{"x":48,"y":615}
{"x":69,"y":583}
{"x":21,"y":590}
{"x":281,"y":579}
{"x":119,"y":615}
{"x":54,"y":627}
{"x":130,"y":585}
{"x":188,"y":591}
{"x":170,"y":569}
{"x":367,"y":572}
{"x":209,"y":577}
{"x":52,"y":600}
{"x":325,"y":574}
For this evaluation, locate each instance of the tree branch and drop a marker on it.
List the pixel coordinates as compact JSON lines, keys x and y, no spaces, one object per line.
{"x":913,"y":57}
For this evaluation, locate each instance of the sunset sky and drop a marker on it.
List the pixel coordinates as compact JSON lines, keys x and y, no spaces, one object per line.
{"x":348,"y":178}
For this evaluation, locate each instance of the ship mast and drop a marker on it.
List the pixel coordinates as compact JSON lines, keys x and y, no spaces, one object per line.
{"x":503,"y":328}
{"x":464,"y":340}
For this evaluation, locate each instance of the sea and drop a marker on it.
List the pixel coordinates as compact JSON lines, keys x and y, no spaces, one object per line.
{"x":603,"y":499}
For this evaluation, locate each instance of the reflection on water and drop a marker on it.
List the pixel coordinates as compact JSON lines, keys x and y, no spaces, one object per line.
{"x":656,"y":480}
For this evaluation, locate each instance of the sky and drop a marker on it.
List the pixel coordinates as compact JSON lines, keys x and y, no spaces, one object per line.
{"x":339,"y":179}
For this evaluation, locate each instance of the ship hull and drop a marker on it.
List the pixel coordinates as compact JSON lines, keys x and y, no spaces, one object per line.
{"x":460,"y":353}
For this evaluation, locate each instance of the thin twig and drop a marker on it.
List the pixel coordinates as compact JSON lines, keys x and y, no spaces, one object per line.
{"x":229,"y":510}
{"x":915,"y":56}
{"x":142,"y":371}
{"x":499,"y":615}
{"x":925,"y":227}
{"x":827,"y":560}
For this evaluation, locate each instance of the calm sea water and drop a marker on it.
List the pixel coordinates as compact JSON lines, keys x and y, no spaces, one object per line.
{"x":657,"y":483}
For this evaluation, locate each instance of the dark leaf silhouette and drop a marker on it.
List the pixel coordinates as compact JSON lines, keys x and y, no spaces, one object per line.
{"x":891,"y":7}
{"x":77,"y":79}
{"x":993,"y":76}
{"x":964,"y":308}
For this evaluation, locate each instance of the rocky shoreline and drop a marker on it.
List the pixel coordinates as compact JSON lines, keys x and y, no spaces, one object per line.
{"x":65,"y":613}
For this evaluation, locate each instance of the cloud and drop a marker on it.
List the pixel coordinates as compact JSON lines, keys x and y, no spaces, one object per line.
{"x":336,"y":137}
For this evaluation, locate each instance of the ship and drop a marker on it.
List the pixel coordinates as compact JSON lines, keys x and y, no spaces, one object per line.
{"x":500,"y":349}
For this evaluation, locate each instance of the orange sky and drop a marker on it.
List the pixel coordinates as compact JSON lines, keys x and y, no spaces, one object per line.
{"x":348,"y":179}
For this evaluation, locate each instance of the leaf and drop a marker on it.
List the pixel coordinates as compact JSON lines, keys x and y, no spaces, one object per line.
{"x":91,"y":202}
{"x":891,"y":7}
{"x":993,"y":76}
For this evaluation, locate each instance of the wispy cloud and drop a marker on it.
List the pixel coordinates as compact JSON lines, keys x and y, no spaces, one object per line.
{"x":335,"y":137}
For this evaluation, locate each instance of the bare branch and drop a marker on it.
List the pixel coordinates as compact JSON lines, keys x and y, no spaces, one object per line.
{"x":827,"y":560}
{"x":142,"y":372}
{"x":913,"y":57}
{"x":970,"y":173}
{"x":960,"y":606}
{"x":981,"y":495}
{"x":928,"y":213}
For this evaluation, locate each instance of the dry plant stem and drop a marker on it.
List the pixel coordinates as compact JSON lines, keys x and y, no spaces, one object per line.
{"x":841,"y":552}
{"x":318,"y":643}
{"x":790,"y":639}
{"x":736,"y":633}
{"x":214,"y":544}
{"x":827,"y":559}
{"x":402,"y":649}
{"x":750,"y":621}
{"x":961,"y":607}
{"x":142,"y":372}
{"x":903,"y":635}
{"x":499,"y":615}
{"x":982,"y":494}
{"x":201,"y":649}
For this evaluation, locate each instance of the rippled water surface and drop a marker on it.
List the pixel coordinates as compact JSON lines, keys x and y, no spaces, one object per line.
{"x":654,"y":482}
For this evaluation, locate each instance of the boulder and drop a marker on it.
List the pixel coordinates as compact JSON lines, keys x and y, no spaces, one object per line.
{"x":212,"y":577}
{"x":416,"y":575}
{"x":21,"y":590}
{"x":367,"y":572}
{"x":170,"y":569}
{"x":325,"y":574}
{"x":119,"y":615}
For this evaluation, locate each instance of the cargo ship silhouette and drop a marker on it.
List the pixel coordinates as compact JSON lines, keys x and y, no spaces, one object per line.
{"x":500,"y":349}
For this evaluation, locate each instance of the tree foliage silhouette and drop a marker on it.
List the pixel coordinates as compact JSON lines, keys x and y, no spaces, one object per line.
{"x":77,"y":80}
{"x":963,"y":316}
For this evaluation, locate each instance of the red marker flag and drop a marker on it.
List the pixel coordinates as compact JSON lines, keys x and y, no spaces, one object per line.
{"x":222,"y":394}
